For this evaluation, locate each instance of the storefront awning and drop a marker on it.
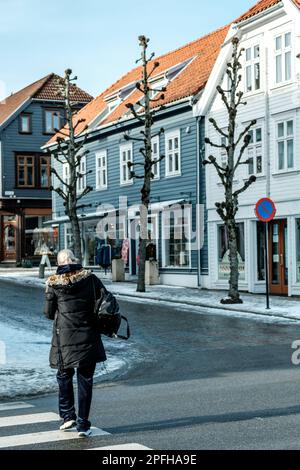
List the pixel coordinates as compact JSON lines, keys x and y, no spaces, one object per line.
{"x":81,"y":217}
{"x":132,"y":212}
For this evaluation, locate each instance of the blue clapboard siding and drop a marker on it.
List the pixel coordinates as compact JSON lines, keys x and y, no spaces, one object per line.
{"x":13,"y":142}
{"x":166,"y":189}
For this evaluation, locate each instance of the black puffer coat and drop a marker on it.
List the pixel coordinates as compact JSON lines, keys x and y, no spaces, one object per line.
{"x":69,"y":302}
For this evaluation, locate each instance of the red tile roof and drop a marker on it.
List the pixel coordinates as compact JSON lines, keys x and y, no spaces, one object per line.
{"x":261,"y":6}
{"x":45,"y":89}
{"x":189,"y":82}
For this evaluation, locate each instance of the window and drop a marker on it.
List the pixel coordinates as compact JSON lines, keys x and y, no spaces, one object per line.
{"x":125,"y":158}
{"x":45,"y":172}
{"x":283,"y":57}
{"x":25,"y":171}
{"x":253,"y":68}
{"x":177,"y":234}
{"x":298,"y":249}
{"x":223,"y":255}
{"x":255,"y":152}
{"x":173,"y":154}
{"x":69,"y":239}
{"x":223,"y":153}
{"x":52,"y":121}
{"x":81,"y":180}
{"x":155,"y":157}
{"x":38,"y":238}
{"x":285,"y":145}
{"x":101,"y":170}
{"x":66,"y":173}
{"x":261,"y":272}
{"x":25,"y":126}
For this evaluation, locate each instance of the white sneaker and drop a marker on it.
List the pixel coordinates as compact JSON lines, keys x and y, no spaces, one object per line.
{"x":68,"y":425}
{"x":86,"y":433}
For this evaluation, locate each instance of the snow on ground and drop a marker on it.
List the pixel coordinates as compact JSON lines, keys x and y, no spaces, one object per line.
{"x":24,"y":363}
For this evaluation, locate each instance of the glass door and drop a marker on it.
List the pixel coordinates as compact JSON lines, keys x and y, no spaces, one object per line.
{"x":9,"y":241}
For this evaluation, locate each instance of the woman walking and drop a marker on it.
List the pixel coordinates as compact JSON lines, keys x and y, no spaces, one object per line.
{"x":76,"y":342}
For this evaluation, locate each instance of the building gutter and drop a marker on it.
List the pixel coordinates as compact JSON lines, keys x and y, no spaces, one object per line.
{"x":260,"y":16}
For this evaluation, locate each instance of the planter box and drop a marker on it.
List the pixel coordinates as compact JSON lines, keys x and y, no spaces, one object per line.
{"x":118,"y":270}
{"x":152,"y":273}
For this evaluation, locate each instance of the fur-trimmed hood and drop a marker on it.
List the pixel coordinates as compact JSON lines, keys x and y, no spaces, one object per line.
{"x":67,"y":279}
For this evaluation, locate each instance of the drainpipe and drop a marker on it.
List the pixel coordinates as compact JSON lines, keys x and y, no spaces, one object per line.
{"x":198,"y":172}
{"x":267,"y":129}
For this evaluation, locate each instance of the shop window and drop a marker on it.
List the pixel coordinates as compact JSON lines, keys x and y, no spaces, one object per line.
{"x":223,"y":256}
{"x":177,"y":228}
{"x":298,"y":249}
{"x":39,"y":239}
{"x":261,"y":273}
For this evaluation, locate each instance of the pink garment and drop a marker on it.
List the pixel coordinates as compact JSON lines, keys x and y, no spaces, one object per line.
{"x":125,"y":251}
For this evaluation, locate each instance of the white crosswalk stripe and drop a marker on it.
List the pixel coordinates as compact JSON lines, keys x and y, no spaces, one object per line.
{"x":28,"y":419}
{"x":132,"y":446}
{"x":17,"y":405}
{"x":43,"y":437}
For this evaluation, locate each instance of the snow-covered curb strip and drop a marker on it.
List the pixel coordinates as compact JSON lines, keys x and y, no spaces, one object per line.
{"x":174,"y":296}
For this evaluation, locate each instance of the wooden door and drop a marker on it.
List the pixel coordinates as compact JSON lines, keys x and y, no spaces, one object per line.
{"x":9,"y":241}
{"x":278,"y":249}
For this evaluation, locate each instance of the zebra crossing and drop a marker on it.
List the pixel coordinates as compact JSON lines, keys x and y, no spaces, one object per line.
{"x":13,"y":422}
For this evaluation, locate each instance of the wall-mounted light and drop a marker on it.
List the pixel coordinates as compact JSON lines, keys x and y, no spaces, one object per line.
{"x":188,"y":130}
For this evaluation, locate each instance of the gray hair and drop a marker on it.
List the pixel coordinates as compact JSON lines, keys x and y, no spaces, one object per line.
{"x":66,"y":257}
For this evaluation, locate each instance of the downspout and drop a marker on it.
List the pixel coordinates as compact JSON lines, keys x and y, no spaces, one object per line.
{"x":198,"y":221}
{"x":267,"y":127}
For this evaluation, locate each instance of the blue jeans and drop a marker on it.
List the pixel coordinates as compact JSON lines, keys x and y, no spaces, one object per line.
{"x":66,"y":395}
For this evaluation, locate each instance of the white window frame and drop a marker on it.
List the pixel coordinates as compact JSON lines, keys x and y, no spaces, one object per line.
{"x":255,"y":150}
{"x":186,"y":212}
{"x":172,"y":135}
{"x":155,"y":156}
{"x":125,"y":148}
{"x":67,"y":235}
{"x":101,"y":169}
{"x":285,"y":138}
{"x":223,"y":153}
{"x":81,"y":182}
{"x":282,"y":53}
{"x":66,"y":172}
{"x":251,"y":65}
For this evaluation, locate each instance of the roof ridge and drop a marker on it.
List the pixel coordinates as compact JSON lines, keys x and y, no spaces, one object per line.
{"x":43,"y":80}
{"x":188,"y":44}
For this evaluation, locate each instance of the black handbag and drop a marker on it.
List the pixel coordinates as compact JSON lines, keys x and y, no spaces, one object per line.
{"x":107,"y":312}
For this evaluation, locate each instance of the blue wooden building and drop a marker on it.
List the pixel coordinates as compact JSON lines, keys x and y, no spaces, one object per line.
{"x":176,"y":217}
{"x":27,"y":120}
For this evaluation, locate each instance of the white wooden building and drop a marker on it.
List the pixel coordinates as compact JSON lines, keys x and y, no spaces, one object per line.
{"x":270,"y":34}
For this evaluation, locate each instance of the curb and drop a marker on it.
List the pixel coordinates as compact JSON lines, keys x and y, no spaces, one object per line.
{"x":186,"y":302}
{"x":215,"y":307}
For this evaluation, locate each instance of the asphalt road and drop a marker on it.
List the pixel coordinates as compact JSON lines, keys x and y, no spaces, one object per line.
{"x":201,"y":381}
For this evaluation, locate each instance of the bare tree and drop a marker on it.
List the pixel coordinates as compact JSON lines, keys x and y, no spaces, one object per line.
{"x":235,"y":145}
{"x":70,"y":150}
{"x":144,"y":112}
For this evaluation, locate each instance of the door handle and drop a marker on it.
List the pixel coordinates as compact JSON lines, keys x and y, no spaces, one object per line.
{"x":281,"y":260}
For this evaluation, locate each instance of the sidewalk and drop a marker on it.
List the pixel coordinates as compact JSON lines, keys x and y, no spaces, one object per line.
{"x":282,"y":307}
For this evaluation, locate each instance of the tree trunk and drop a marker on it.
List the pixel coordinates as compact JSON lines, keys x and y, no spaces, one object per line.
{"x":76,"y":235}
{"x":234,"y":264}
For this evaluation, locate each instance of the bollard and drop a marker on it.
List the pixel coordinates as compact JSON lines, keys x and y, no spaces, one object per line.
{"x":42,"y":271}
